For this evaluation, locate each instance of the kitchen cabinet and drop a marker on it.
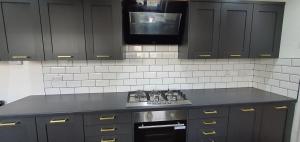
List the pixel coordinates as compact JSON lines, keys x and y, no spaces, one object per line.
{"x":235,"y":30}
{"x":63,"y":29}
{"x":204,"y":30}
{"x":273,"y":123}
{"x":243,"y":123}
{"x":17,"y":129}
{"x":103,"y":28}
{"x":21,"y":35}
{"x":62,"y":128}
{"x":266,"y":30}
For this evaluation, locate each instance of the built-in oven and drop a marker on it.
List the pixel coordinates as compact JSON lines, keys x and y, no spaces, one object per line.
{"x":154,"y":21}
{"x":160,"y":126}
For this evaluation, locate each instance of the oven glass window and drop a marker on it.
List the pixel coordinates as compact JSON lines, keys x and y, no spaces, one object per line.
{"x":151,"y":23}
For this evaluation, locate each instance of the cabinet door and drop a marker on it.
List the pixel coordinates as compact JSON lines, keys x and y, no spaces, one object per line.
{"x":273,"y":123}
{"x":18,"y":130}
{"x":204,"y":29}
{"x":235,"y":30}
{"x":22,"y":28}
{"x":266,"y":30}
{"x":103,"y":26}
{"x":243,"y":123}
{"x":63,"y":29}
{"x":67,"y":128}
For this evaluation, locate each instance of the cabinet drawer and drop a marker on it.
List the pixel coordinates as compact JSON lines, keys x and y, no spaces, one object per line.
{"x":207,"y":132}
{"x":106,"y":118}
{"x":208,"y":123}
{"x":111,"y":129}
{"x":213,"y":139}
{"x":110,"y":138}
{"x":208,"y":112}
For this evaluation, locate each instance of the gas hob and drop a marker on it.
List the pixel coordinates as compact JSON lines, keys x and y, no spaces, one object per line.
{"x":156,"y":98}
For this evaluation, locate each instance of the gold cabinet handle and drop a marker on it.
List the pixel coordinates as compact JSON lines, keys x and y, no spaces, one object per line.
{"x":103,"y":56}
{"x":204,"y":55}
{"x":109,"y":140}
{"x":281,"y":107}
{"x":108,"y":129}
{"x":210,"y":112}
{"x":64,"y":57}
{"x":20,"y":57}
{"x":58,"y":121}
{"x":265,"y":55}
{"x":235,"y":55}
{"x":107,"y":117}
{"x":247,"y":109}
{"x":209,"y":122}
{"x":209,"y":133}
{"x":9,"y":124}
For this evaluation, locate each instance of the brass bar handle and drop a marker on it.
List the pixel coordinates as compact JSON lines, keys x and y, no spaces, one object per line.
{"x":103,"y":56}
{"x":108,"y":129}
{"x":58,"y":121}
{"x":109,"y":140}
{"x":235,"y":55}
{"x":265,"y":55}
{"x":20,"y":57}
{"x":64,"y":57}
{"x":210,"y":112}
{"x":9,"y":124}
{"x":281,"y":107}
{"x":107,"y":117}
{"x":209,"y":122}
{"x":209,"y":133}
{"x":247,"y":109}
{"x":204,"y":55}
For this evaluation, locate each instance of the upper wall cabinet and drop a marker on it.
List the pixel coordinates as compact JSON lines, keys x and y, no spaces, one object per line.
{"x":235,"y":30}
{"x":266,"y":30}
{"x":20,"y":30}
{"x":103,"y":27}
{"x":63,"y":29}
{"x":203,"y":35}
{"x":232,"y":30}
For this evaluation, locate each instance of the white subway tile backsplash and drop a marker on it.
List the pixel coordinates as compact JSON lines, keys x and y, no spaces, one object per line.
{"x":149,"y":67}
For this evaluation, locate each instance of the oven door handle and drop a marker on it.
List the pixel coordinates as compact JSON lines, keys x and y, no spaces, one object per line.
{"x":161,"y":126}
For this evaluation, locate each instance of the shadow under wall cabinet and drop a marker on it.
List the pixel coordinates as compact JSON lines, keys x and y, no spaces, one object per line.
{"x":63,"y":29}
{"x":20,"y":30}
{"x":103,"y":27}
{"x":232,"y":30}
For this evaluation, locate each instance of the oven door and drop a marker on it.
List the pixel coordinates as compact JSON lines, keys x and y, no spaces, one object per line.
{"x":166,"y":131}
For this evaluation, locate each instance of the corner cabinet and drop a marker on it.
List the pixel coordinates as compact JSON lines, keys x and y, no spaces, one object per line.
{"x":63,"y":29}
{"x":266,"y":30}
{"x":232,"y":30}
{"x":103,"y":28}
{"x":20,"y":30}
{"x":62,"y":128}
{"x":18,"y":129}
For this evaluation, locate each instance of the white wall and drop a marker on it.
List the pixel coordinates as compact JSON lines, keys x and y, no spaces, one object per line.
{"x":18,"y":81}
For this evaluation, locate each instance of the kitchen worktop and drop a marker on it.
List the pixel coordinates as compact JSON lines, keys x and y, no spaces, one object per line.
{"x":61,"y":104}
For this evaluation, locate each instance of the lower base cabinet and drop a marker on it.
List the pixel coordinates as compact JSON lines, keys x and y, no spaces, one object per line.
{"x":18,"y":129}
{"x":63,"y":128}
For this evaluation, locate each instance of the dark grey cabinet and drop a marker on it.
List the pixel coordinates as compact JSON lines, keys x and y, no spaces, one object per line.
{"x":266,"y":30}
{"x":18,"y":129}
{"x":103,"y":27}
{"x":63,"y":128}
{"x":235,"y":30}
{"x":273,"y":123}
{"x":243,"y":123}
{"x":21,"y":35}
{"x":203,"y":36}
{"x":63,"y":29}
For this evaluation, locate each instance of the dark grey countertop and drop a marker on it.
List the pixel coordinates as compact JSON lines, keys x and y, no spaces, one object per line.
{"x":62,"y":104}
